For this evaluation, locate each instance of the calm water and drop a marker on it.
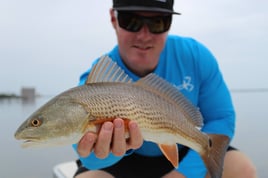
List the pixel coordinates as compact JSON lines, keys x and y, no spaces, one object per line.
{"x":16,"y":162}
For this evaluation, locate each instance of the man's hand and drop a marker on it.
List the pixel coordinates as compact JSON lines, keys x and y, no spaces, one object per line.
{"x":111,"y":138}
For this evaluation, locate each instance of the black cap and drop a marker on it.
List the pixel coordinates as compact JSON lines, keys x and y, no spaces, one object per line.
{"x":165,"y":6}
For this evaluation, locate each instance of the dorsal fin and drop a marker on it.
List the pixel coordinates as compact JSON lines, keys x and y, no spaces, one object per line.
{"x":159,"y":86}
{"x":106,"y":70}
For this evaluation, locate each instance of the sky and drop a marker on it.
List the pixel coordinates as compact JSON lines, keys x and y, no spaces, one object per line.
{"x":48,"y":44}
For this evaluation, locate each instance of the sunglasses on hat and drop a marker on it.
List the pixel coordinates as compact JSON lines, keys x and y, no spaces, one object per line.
{"x":133,"y":22}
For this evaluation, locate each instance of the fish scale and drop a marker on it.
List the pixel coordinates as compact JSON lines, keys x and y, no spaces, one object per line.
{"x":109,"y":100}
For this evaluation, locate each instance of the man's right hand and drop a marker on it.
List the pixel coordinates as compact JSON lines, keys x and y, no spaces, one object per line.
{"x":111,"y":138}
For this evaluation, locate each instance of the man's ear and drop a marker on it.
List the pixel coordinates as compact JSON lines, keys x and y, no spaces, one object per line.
{"x":113,"y":18}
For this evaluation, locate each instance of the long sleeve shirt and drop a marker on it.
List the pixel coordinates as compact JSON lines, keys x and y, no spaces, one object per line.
{"x":194,"y":71}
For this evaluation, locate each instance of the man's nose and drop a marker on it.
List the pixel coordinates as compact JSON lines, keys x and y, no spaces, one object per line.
{"x":144,"y":32}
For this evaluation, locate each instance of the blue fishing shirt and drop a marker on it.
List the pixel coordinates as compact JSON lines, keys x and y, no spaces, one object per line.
{"x":194,"y":71}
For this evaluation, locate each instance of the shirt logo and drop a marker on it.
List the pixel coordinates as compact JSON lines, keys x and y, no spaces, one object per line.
{"x":186,"y":84}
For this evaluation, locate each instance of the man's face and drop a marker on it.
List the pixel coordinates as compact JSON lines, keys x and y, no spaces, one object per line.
{"x":139,"y":50}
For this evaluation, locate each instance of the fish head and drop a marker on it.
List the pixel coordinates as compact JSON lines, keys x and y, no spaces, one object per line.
{"x":61,"y":121}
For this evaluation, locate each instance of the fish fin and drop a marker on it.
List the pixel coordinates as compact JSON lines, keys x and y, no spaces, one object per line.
{"x":106,"y":70}
{"x":214,"y":158}
{"x":164,"y":89}
{"x":171,"y":153}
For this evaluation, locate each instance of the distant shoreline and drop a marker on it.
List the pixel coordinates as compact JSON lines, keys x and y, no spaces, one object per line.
{"x":9,"y":96}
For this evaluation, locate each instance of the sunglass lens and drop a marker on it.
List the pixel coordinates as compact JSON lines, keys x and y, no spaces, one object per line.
{"x":133,"y":23}
{"x":129,"y":22}
{"x":159,"y":24}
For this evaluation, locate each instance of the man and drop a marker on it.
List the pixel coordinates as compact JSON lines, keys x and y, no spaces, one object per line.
{"x":144,"y":46}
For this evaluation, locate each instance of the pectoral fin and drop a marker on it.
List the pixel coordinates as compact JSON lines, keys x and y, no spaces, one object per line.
{"x":171,"y":153}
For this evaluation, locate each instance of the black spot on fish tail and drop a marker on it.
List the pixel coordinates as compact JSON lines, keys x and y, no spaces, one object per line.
{"x":210,"y":143}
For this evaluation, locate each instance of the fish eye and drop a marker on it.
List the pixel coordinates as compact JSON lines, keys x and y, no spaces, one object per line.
{"x":210,"y":143}
{"x":36,"y":122}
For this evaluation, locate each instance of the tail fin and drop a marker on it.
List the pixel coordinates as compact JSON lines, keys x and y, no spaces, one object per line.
{"x":215,"y":157}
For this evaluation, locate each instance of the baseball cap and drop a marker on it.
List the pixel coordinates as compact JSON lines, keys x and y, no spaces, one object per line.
{"x":165,"y":6}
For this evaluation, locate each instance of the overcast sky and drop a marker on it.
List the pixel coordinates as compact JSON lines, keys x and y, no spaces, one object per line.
{"x":47,"y":44}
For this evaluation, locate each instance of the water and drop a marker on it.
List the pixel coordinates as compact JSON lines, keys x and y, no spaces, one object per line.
{"x":16,"y":162}
{"x":251,"y":129}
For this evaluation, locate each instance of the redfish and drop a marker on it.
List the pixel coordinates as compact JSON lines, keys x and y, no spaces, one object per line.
{"x":163,"y":114}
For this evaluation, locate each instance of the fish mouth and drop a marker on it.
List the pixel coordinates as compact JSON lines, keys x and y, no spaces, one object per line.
{"x":30,"y":142}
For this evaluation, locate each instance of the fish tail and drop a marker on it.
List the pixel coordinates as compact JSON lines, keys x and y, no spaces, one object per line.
{"x":214,"y":157}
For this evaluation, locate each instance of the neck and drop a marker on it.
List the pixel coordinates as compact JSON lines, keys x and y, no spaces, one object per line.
{"x":141,"y":72}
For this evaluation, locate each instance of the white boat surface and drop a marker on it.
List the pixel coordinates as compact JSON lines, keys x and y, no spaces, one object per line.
{"x":65,"y":170}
